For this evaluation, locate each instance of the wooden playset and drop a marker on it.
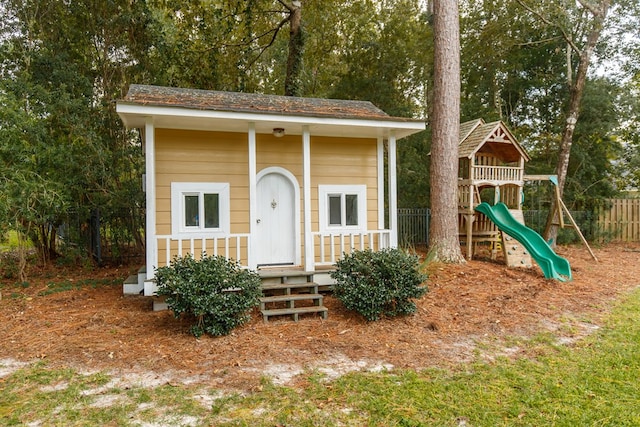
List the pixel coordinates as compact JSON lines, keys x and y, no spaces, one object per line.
{"x":490,"y":169}
{"x":490,"y":194}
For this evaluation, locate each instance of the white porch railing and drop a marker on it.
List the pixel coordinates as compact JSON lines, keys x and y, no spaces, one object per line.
{"x":330,"y":247}
{"x":327,"y":247}
{"x":497,"y":173}
{"x":235,"y":246}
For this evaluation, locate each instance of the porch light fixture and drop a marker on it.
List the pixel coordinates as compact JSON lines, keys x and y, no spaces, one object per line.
{"x":278,"y":132}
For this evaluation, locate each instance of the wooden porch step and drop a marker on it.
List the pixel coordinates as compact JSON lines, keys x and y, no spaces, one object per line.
{"x":288,"y":275}
{"x":291,"y":299}
{"x":290,"y":292}
{"x":295,"y":312}
{"x":283,"y":272}
{"x":132,"y":286}
{"x":288,"y":287}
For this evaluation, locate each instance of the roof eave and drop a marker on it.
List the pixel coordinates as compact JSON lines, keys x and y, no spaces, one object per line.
{"x":135,"y":115}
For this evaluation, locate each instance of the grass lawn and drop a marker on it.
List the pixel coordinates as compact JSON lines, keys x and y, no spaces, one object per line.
{"x":591,"y":383}
{"x":10,"y":241}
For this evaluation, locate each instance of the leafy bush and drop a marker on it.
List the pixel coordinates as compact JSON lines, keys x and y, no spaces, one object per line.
{"x":9,"y":262}
{"x":379,"y":283}
{"x":214,"y":291}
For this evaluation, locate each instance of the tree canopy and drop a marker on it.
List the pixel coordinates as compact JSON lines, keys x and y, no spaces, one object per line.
{"x":63,"y":64}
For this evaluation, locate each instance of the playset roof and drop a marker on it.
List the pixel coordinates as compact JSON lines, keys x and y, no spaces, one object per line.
{"x":495,"y":138}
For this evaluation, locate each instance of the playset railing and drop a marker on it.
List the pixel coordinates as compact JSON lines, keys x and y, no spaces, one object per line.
{"x":497,"y":173}
{"x":468,"y":195}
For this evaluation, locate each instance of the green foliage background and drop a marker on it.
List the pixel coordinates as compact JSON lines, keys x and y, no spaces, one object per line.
{"x":63,"y":65}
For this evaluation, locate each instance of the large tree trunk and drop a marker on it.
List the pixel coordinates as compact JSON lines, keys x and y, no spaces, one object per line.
{"x":296,"y":48}
{"x":573,"y":112}
{"x":445,"y":125}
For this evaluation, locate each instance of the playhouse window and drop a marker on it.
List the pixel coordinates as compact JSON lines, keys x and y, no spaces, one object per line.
{"x":343,"y":210}
{"x":202,"y":205}
{"x":342,"y":207}
{"x":199,"y":207}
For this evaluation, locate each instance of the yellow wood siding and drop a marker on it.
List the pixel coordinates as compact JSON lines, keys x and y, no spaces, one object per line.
{"x":285,"y":152}
{"x":201,"y":156}
{"x":198,"y":156}
{"x":336,"y":161}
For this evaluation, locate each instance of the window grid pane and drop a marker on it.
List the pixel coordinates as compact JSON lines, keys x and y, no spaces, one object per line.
{"x":351,"y":207}
{"x":211,"y":211}
{"x":335,"y":209}
{"x":191,"y":211}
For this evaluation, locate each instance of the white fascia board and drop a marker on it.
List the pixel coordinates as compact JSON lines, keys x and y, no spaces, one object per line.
{"x":133,"y":116}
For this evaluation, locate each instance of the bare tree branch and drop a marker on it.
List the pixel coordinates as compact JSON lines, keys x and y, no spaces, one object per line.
{"x":288,"y":6}
{"x":537,"y":42}
{"x":544,"y":19}
{"x":273,"y":39}
{"x":258,"y":37}
{"x":292,"y":9}
{"x":590,"y":7}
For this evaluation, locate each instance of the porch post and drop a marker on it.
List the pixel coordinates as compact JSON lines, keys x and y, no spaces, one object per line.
{"x":393,"y":191}
{"x":309,"y":253}
{"x":150,"y":189}
{"x":380,"y":161}
{"x":251,"y":248}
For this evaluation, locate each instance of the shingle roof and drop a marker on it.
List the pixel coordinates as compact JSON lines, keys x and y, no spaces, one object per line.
{"x":255,"y":103}
{"x":467,"y":127}
{"x":475,"y":138}
{"x":475,"y":133}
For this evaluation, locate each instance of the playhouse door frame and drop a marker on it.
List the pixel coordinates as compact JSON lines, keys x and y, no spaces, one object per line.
{"x":278,"y":218}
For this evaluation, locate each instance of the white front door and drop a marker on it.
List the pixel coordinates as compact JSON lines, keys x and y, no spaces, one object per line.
{"x":276,"y":236}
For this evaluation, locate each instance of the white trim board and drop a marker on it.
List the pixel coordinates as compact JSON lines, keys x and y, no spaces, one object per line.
{"x":134,"y":115}
{"x":323,"y":209}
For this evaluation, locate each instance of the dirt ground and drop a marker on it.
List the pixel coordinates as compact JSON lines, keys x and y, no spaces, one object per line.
{"x":471,"y":310}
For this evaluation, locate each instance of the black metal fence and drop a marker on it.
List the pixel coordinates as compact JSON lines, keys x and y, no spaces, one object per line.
{"x":113,"y":236}
{"x":413,"y":227}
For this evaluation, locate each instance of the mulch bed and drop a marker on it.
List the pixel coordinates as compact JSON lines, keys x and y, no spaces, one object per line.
{"x":97,"y":328}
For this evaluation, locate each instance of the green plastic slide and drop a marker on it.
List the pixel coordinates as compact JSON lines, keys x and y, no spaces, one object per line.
{"x":552,"y":265}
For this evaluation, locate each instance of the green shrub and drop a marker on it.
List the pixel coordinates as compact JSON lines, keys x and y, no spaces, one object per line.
{"x":379,"y":283}
{"x":9,"y":263}
{"x":216,"y":293}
